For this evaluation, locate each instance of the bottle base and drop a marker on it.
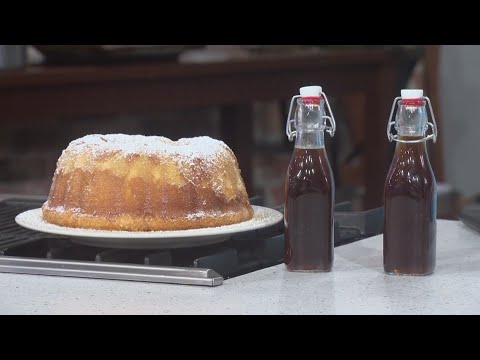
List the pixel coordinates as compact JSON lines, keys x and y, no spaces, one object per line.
{"x":399,"y":273}
{"x":308,"y":271}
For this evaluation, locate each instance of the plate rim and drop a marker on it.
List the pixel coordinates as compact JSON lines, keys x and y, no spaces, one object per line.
{"x":192,"y":233}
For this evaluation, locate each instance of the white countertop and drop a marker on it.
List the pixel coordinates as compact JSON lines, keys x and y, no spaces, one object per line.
{"x":356,"y":286}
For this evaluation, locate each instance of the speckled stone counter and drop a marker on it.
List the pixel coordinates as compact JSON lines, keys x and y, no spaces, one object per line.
{"x":357,"y":286}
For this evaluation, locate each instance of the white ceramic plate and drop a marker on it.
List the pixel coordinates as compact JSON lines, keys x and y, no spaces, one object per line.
{"x":263,"y":218}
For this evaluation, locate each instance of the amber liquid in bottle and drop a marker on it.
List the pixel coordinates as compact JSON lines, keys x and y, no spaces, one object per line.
{"x":309,"y":205}
{"x":410,"y":212}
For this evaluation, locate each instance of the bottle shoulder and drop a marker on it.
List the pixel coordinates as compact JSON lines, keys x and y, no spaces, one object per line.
{"x":410,"y":175}
{"x":310,"y":162}
{"x":310,"y":170}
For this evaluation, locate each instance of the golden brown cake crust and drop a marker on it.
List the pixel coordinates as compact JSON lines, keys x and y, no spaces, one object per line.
{"x":137,"y":183}
{"x":137,"y":223}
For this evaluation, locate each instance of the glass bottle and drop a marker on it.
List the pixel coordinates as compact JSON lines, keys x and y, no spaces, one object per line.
{"x":309,"y":186}
{"x":410,"y":190}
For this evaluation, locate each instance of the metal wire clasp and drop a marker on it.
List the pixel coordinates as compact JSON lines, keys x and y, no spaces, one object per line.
{"x":433,"y":136}
{"x":292,"y":133}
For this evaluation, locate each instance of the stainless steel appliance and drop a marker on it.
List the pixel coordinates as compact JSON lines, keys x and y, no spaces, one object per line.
{"x":27,"y":252}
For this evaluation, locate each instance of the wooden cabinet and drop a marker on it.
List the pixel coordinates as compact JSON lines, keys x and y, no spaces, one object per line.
{"x":38,"y":94}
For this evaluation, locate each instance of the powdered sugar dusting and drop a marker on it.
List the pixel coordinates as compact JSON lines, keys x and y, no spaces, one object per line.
{"x":200,"y":147}
{"x":193,"y":153}
{"x":62,"y":210}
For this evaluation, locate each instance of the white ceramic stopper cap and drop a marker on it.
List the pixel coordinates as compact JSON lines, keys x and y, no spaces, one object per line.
{"x":412,"y":94}
{"x":311,"y":91}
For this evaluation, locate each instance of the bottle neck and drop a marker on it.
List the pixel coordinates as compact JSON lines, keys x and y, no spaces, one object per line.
{"x":412,"y":119}
{"x":419,"y":148}
{"x":310,"y":140}
{"x":310,"y":124}
{"x":408,"y":155}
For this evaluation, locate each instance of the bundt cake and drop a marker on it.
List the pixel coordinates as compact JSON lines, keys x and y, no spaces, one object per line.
{"x":139,"y":183}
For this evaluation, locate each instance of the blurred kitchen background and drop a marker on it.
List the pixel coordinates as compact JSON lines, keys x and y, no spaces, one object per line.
{"x":53,"y":94}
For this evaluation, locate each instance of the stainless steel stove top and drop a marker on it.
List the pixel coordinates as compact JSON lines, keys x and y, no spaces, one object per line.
{"x":26,"y":252}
